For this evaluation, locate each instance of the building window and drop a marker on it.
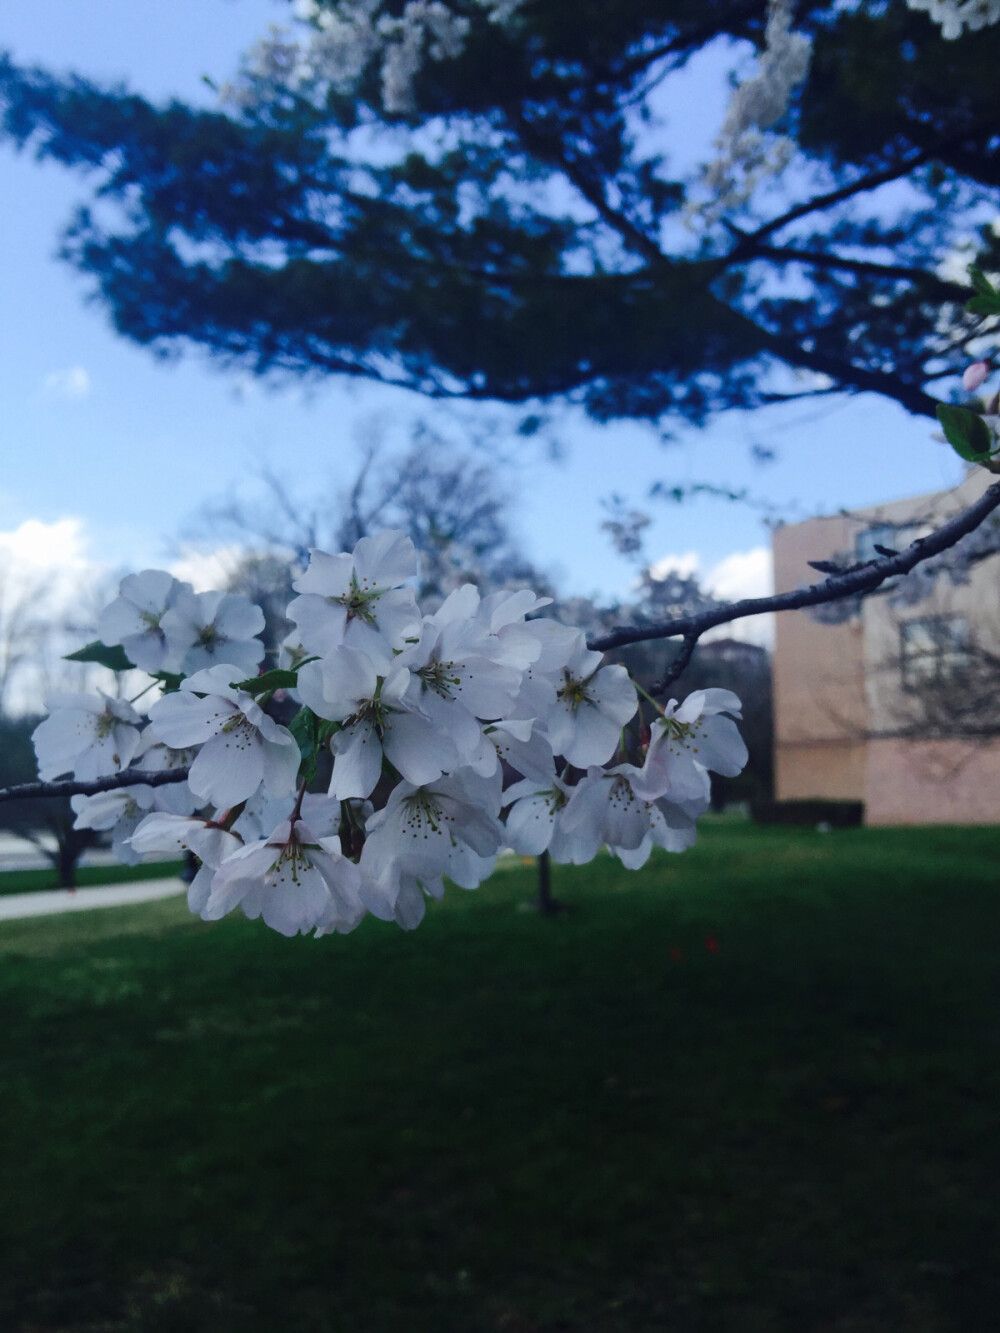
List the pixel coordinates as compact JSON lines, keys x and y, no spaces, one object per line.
{"x":893,"y":536}
{"x":933,"y":650}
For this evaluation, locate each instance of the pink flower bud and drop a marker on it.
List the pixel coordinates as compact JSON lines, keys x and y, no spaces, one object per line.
{"x":974,"y":376}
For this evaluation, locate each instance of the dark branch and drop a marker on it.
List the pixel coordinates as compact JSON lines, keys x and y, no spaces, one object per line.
{"x":577,"y":172}
{"x":130,"y":778}
{"x":788,"y":254}
{"x":858,"y":580}
{"x":872,"y":181}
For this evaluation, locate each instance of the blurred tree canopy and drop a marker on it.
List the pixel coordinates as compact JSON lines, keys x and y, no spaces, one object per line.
{"x":521,"y":231}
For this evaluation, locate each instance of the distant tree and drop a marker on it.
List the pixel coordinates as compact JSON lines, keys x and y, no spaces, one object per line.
{"x":452,"y":501}
{"x":46,"y":823}
{"x":479,"y":200}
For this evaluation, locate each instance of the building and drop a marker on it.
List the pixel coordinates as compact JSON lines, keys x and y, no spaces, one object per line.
{"x":894,"y":706}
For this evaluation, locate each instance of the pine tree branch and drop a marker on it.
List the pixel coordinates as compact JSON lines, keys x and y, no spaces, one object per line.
{"x":789,"y":254}
{"x":872,"y":181}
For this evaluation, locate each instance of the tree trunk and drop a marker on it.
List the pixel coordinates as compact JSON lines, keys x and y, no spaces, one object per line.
{"x":545,"y":903}
{"x":65,"y":861}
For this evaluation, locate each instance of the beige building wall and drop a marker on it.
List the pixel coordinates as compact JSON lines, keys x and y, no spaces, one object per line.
{"x":820,"y":709}
{"x":932,"y":782}
{"x":840,"y":697}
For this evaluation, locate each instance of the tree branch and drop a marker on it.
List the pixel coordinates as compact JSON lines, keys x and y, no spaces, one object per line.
{"x":872,"y":181}
{"x":788,"y":254}
{"x":576,"y":172}
{"x":130,"y":778}
{"x":859,"y":579}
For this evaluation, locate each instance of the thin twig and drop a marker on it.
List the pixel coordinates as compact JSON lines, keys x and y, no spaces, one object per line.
{"x":70,"y":787}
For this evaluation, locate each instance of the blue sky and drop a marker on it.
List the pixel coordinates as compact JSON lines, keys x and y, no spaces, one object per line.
{"x":120,"y":449}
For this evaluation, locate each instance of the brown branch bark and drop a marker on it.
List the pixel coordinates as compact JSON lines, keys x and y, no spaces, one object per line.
{"x":70,"y":787}
{"x":858,"y":579}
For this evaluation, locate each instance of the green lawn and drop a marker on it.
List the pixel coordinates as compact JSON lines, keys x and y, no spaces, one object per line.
{"x":753,"y":1088}
{"x":32,"y":881}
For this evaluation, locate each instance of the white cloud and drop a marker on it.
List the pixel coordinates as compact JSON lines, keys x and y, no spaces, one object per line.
{"x":50,"y":563}
{"x":48,"y":584}
{"x":73,"y":382}
{"x":685,"y":565}
{"x":742,"y":574}
{"x":207,"y":570}
{"x":46,"y":546}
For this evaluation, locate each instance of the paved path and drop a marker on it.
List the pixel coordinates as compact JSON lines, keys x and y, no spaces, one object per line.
{"x":15,"y":905}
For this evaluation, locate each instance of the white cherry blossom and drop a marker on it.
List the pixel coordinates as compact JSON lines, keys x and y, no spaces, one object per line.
{"x":295,"y":880}
{"x":425,"y":717}
{"x":205,"y":629}
{"x":688,"y":739}
{"x":211,"y":844}
{"x":593,"y":703}
{"x":535,"y":823}
{"x":670,"y":827}
{"x":518,"y":743}
{"x":88,"y":735}
{"x":358,"y":599}
{"x":377,"y":717}
{"x":240,"y":746}
{"x":450,"y":827}
{"x":956,"y":15}
{"x":119,"y":811}
{"x":135,"y":620}
{"x":153,"y":756}
{"x":606,"y":804}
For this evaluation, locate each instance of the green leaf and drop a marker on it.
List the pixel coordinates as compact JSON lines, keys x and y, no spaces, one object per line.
{"x":303,"y":728}
{"x":170,"y":680}
{"x":984,"y":305}
{"x":966,"y":432}
{"x":327,"y":730}
{"x":981,"y":282}
{"x":112,"y":657}
{"x":278,"y":679}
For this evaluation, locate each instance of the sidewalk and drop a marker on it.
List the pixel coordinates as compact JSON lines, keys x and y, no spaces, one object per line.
{"x":17,"y":905}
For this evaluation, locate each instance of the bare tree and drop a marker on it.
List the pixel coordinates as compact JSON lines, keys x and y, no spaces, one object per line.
{"x":451,"y":500}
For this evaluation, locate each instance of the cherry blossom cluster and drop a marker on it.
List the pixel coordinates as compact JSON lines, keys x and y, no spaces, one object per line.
{"x":350,"y":35}
{"x":747,"y":152}
{"x":954,"y":16}
{"x":441,"y":739}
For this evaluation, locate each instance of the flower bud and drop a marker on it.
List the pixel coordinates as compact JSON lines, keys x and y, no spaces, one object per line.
{"x":974,"y":376}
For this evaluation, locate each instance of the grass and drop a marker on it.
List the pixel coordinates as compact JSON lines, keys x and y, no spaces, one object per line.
{"x":749,"y":1089}
{"x":33,"y":881}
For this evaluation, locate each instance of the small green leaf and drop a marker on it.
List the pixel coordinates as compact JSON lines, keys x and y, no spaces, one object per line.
{"x":271,"y":680}
{"x":966,"y":432}
{"x":981,"y":282}
{"x":327,"y":730}
{"x":112,"y":656}
{"x":170,"y":680}
{"x":984,"y":305}
{"x":303,"y":728}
